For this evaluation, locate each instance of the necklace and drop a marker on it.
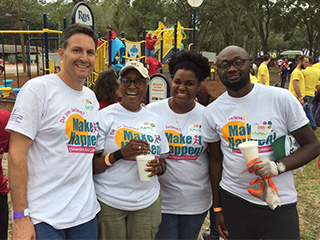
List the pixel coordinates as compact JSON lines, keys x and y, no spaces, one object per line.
{"x":177,"y":122}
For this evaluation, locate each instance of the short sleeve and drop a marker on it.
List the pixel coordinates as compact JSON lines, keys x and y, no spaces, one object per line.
{"x":104,"y":128}
{"x":295,"y":115}
{"x":26,"y":114}
{"x":164,"y":142}
{"x":208,"y":128}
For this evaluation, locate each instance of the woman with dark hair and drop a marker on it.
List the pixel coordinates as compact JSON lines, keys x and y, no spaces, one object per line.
{"x":185,"y":188}
{"x":106,"y":88}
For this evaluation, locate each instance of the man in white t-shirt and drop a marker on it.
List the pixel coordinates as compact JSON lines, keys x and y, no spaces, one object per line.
{"x":54,"y":128}
{"x":240,"y":213}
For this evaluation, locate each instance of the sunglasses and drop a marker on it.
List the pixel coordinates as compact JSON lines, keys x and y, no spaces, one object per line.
{"x":127,"y":82}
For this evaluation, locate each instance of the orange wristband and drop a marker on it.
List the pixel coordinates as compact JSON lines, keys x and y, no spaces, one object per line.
{"x":107,"y":161}
{"x":217,"y":209}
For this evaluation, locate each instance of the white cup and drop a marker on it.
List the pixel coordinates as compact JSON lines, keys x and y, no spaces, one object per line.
{"x":249,"y":150}
{"x":142,"y":161}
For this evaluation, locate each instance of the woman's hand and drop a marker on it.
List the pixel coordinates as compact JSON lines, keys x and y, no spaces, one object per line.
{"x":221,"y":226}
{"x":135,"y":147}
{"x":156,"y":166}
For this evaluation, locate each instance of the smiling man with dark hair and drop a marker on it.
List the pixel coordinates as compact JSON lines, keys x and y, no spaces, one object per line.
{"x":53,"y":137}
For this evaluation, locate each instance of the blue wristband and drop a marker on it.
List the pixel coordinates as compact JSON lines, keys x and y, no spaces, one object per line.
{"x":22,"y":214}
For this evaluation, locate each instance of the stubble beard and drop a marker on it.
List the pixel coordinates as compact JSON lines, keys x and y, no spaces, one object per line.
{"x":238,"y":85}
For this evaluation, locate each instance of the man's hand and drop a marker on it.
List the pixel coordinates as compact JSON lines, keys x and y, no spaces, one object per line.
{"x":263,"y":167}
{"x":301,"y":101}
{"x":23,"y":229}
{"x":268,"y":192}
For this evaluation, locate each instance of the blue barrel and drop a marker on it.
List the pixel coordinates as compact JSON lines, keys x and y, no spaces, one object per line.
{"x":7,"y":82}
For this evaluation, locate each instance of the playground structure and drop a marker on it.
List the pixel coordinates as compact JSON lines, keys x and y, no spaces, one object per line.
{"x":111,"y":53}
{"x":40,"y":38}
{"x":114,"y":53}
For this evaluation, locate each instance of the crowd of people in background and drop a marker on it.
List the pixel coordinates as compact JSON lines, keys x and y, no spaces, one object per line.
{"x":303,"y":78}
{"x":72,"y":152}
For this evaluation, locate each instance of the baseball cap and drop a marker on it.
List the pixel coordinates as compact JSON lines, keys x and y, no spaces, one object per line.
{"x":135,"y":65}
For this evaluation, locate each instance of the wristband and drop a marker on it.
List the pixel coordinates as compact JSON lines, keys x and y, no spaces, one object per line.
{"x":117,"y":155}
{"x":22,"y":214}
{"x":107,"y":161}
{"x":162,"y":169}
{"x":217,"y":209}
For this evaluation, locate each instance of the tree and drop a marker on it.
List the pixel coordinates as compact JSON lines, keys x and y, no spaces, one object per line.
{"x":305,"y":13}
{"x":260,"y":13}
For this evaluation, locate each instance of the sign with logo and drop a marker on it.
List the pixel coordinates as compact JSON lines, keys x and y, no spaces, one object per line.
{"x":158,"y":88}
{"x":82,"y":14}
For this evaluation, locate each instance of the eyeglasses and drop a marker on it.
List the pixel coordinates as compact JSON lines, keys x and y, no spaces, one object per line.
{"x":127,"y":82}
{"x":237,"y":63}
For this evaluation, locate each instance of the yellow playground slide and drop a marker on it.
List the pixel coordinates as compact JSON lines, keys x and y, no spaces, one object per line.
{"x":168,"y":38}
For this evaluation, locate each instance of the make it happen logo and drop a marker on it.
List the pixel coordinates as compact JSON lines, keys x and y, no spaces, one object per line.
{"x":184,"y":147}
{"x":123,"y":136}
{"x":82,"y":134}
{"x":235,"y":132}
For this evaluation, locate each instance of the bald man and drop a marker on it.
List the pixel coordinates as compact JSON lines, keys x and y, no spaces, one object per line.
{"x":240,"y":213}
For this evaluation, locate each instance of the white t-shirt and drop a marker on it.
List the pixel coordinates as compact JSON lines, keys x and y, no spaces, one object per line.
{"x":185,"y":187}
{"x":264,"y":105}
{"x":63,"y":124}
{"x":120,"y":186}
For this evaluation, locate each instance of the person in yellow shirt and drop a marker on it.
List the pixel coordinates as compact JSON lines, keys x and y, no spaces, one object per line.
{"x":253,"y":69}
{"x":297,"y":81}
{"x":312,"y":77}
{"x":317,"y":65}
{"x":263,"y":71}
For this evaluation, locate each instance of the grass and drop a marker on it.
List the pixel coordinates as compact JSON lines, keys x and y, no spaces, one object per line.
{"x":308,"y":187}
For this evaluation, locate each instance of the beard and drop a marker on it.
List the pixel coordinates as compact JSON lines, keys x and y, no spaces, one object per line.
{"x":244,"y":80}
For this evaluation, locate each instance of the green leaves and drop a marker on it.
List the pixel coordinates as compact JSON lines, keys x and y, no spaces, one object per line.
{"x":257,"y":25}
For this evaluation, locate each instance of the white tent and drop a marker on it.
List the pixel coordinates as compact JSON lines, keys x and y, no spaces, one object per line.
{"x":292,"y":53}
